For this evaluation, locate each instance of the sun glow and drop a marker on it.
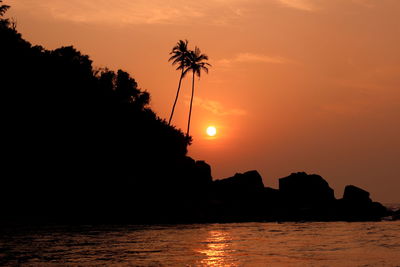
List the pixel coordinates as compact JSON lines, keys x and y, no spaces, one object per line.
{"x":211,"y":131}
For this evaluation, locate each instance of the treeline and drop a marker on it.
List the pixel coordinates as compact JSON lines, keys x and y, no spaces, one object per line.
{"x":76,"y":139}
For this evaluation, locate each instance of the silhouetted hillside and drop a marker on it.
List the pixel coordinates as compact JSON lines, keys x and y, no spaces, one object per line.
{"x":81,"y":140}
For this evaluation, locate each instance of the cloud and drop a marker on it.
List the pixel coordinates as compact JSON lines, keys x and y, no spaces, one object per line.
{"x":315,"y":5}
{"x":215,"y":107}
{"x":252,"y":58}
{"x":248,"y":57}
{"x":121,"y":12}
{"x":176,"y":12}
{"x":365,"y":3}
{"x":135,"y":12}
{"x":305,"y":5}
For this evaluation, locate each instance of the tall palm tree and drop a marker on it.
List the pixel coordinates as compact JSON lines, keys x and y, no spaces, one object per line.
{"x":179,"y":57}
{"x":196,"y":63}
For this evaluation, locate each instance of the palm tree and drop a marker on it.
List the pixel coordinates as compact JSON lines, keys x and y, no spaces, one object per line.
{"x":179,"y":56}
{"x":3,"y":8}
{"x":196,"y":63}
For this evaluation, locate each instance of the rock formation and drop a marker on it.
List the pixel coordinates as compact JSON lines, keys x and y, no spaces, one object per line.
{"x":357,"y":205}
{"x":300,"y":197}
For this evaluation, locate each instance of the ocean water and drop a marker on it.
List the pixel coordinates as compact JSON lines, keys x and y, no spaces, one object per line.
{"x":231,"y":244}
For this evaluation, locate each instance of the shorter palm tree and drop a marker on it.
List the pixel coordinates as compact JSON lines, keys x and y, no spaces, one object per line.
{"x":196,"y":63}
{"x":179,"y":56}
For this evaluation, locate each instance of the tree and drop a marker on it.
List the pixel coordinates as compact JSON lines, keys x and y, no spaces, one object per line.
{"x":3,"y":8}
{"x":179,"y":56}
{"x":196,"y":63}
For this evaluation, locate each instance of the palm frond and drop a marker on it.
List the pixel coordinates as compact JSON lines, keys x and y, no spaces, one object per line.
{"x":197,"y":62}
{"x":179,"y":54}
{"x":3,"y":9}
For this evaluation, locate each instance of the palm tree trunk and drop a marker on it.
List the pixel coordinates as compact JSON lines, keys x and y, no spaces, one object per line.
{"x":190,"y":110}
{"x":176,"y":98}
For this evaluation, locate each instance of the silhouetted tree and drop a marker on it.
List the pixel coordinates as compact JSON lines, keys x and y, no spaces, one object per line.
{"x":3,"y":8}
{"x":179,"y":56}
{"x":196,"y":65}
{"x":106,"y":80}
{"x":127,"y":91}
{"x":121,"y":88}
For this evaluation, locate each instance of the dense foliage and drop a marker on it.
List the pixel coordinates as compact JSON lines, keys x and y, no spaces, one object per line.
{"x":74,"y":135}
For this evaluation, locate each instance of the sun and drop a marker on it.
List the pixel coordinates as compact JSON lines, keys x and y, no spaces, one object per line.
{"x":211,"y":131}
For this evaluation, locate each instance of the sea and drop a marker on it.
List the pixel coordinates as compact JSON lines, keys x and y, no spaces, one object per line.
{"x":229,"y":244}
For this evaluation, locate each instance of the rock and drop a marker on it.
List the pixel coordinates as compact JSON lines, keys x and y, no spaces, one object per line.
{"x":353,"y":194}
{"x":378,"y":210}
{"x":239,"y":198}
{"x":191,"y":172}
{"x":243,"y":183}
{"x":356,"y":205}
{"x":303,"y":190}
{"x":188,"y":162}
{"x":271,"y":198}
{"x":203,"y":172}
{"x":243,"y":189}
{"x":192,"y":180}
{"x":396,"y":215}
{"x":271,"y":203}
{"x":271,"y":193}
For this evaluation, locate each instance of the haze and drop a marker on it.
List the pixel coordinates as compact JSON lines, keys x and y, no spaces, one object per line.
{"x":296,"y":85}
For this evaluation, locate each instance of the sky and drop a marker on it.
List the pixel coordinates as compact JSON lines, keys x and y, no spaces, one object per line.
{"x":295,"y":85}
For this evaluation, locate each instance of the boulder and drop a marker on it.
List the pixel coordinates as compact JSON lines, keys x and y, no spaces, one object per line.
{"x":271,"y":193}
{"x":305,"y":191}
{"x":195,"y":179}
{"x":378,"y":210}
{"x":241,"y":188}
{"x":203,"y":172}
{"x":271,"y":202}
{"x":356,"y":195}
{"x":188,"y":171}
{"x":243,"y":183}
{"x":356,"y":205}
{"x":239,"y":198}
{"x":396,"y":215}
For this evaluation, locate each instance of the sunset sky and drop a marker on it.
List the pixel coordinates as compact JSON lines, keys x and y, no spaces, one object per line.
{"x":296,"y":85}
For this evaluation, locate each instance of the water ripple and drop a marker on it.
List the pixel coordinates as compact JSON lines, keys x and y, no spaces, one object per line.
{"x":250,"y":244}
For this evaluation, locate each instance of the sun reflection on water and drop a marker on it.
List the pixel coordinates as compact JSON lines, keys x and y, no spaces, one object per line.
{"x":218,"y":250}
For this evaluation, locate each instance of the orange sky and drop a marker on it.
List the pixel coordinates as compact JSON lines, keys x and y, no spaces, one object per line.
{"x":296,"y":85}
